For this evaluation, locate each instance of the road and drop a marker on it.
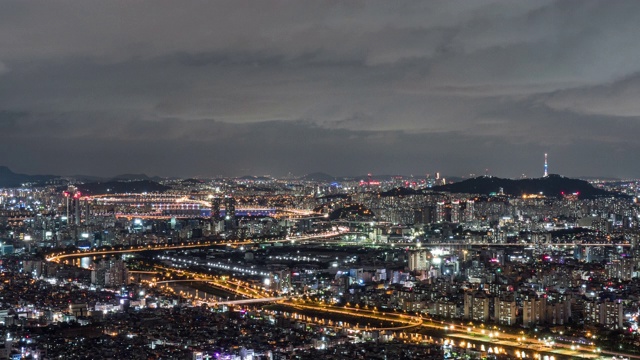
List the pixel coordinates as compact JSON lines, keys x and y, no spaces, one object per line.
{"x":56,"y":257}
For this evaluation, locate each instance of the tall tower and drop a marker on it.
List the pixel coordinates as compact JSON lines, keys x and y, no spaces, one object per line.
{"x":546,"y":166}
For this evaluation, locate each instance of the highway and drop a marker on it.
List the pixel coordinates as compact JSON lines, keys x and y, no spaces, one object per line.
{"x":56,"y":257}
{"x":407,"y":321}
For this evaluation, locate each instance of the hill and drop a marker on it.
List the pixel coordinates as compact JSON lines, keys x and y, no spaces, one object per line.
{"x":355,"y":212}
{"x":135,"y":177}
{"x":10,"y":179}
{"x":552,"y":186}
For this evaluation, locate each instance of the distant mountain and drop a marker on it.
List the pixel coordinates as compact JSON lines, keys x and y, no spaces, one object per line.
{"x":10,"y":179}
{"x":87,"y":178}
{"x":552,"y":185}
{"x":191,"y":181}
{"x":378,"y":177}
{"x":113,"y":187}
{"x":135,"y":177}
{"x":130,"y":177}
{"x":318,"y":176}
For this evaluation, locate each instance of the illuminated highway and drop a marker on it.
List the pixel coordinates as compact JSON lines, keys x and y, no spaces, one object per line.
{"x":407,"y":321}
{"x":56,"y":257}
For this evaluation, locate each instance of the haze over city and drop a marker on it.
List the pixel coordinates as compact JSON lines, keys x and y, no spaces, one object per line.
{"x":276,"y":87}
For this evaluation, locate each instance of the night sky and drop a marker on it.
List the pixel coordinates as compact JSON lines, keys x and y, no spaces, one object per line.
{"x":205,"y":88}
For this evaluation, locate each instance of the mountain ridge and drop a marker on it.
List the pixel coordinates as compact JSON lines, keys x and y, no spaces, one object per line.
{"x":8,"y":178}
{"x":551,"y":186}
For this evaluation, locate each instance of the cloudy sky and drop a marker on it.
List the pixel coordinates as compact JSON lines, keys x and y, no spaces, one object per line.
{"x":202,"y":88}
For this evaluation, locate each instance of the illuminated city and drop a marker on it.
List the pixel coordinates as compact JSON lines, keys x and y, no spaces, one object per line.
{"x":319,"y":180}
{"x":401,"y":264}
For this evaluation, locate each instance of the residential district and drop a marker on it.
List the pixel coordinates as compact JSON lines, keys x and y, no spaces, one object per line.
{"x":308,"y":268}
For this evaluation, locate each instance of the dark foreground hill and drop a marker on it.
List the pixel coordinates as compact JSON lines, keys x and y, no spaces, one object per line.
{"x":552,"y":186}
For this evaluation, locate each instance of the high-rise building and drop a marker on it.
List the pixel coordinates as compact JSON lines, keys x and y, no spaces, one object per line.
{"x":425,"y":215}
{"x":215,"y":208}
{"x":446,"y":309}
{"x":620,"y":269}
{"x":216,"y":218}
{"x":418,"y":261}
{"x":455,"y":211}
{"x":117,"y":275}
{"x":476,"y":306}
{"x":76,"y":209}
{"x":505,"y":311}
{"x":110,"y":273}
{"x":533,"y":311}
{"x":607,"y":313}
{"x":468,"y":211}
{"x":558,"y":313}
{"x":230,"y":213}
{"x":611,"y":314}
{"x":443,"y":212}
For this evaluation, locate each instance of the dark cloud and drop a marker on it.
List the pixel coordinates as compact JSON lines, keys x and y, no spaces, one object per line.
{"x":237,"y":87}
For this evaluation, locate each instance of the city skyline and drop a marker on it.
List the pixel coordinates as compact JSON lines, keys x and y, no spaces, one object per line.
{"x":241,"y":88}
{"x":4,"y":170}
